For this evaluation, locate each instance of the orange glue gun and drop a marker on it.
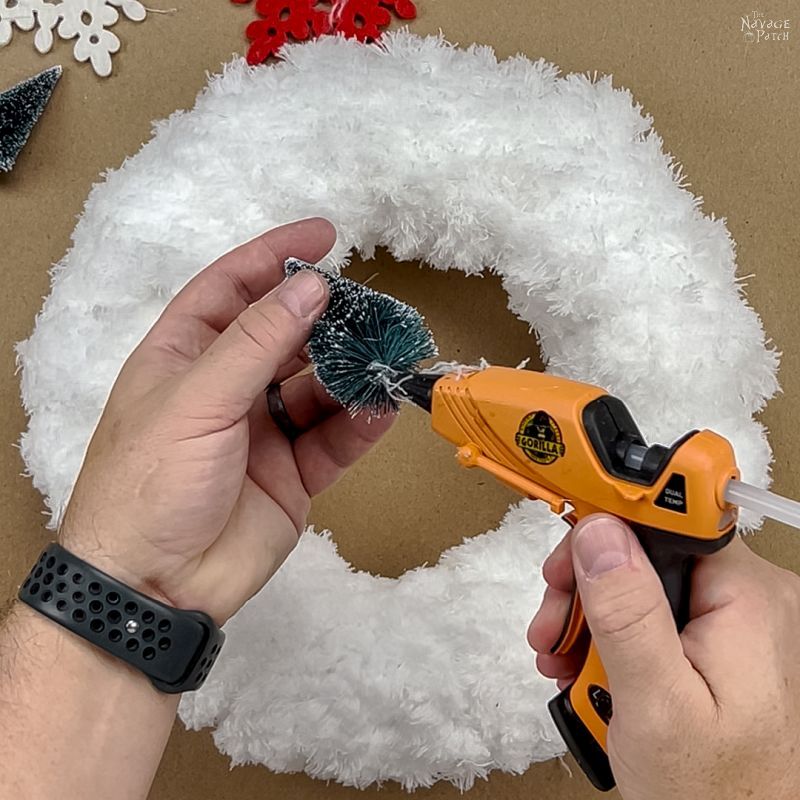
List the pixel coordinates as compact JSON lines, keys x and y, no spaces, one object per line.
{"x":576,"y":448}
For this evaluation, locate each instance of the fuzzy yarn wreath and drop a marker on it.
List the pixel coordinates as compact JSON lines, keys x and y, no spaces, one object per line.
{"x":559,"y":185}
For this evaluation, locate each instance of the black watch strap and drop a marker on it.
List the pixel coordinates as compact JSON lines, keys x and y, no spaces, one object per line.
{"x":175,"y":649}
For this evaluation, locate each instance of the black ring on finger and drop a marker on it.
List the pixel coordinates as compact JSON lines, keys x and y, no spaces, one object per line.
{"x":280,"y":416}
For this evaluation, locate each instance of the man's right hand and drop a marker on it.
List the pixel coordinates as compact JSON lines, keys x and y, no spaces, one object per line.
{"x":710,"y":714}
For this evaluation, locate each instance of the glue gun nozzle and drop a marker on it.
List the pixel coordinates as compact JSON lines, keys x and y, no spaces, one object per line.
{"x":418,"y":389}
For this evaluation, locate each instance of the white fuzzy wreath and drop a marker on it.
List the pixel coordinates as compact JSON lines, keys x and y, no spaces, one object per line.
{"x":559,"y":185}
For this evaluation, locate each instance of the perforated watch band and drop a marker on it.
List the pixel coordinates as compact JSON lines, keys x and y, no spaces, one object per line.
{"x":175,"y":649}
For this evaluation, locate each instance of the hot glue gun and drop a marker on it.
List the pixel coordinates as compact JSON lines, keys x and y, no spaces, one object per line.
{"x":576,"y":448}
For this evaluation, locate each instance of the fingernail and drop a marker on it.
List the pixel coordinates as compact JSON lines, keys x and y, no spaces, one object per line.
{"x":302,"y":293}
{"x":602,"y":545}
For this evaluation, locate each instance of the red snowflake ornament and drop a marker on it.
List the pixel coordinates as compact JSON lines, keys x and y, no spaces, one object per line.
{"x":404,"y":9}
{"x":280,"y":20}
{"x":362,"y":20}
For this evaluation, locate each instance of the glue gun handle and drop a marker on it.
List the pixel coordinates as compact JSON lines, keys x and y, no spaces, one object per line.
{"x":583,"y":710}
{"x":673,"y":557}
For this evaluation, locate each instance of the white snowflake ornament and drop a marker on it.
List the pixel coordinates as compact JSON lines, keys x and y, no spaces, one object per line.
{"x":47,"y":16}
{"x":15,"y":12}
{"x":86,"y":20}
{"x":27,"y":14}
{"x":132,"y":9}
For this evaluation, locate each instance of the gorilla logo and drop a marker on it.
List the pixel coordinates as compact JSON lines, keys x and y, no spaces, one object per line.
{"x":539,"y":437}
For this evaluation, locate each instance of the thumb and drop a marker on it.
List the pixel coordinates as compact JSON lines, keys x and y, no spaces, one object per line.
{"x":228,"y":377}
{"x":626,"y":609}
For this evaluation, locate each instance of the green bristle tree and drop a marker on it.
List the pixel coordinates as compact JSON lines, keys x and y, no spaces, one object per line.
{"x":365,"y":343}
{"x":20,"y":109}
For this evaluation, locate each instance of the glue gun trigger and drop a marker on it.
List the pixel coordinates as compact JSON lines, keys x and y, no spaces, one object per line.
{"x":575,"y":631}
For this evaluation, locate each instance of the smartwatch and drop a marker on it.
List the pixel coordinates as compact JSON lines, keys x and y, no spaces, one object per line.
{"x":175,"y":649}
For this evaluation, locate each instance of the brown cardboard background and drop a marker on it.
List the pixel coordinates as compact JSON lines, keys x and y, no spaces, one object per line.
{"x":726,"y":109}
